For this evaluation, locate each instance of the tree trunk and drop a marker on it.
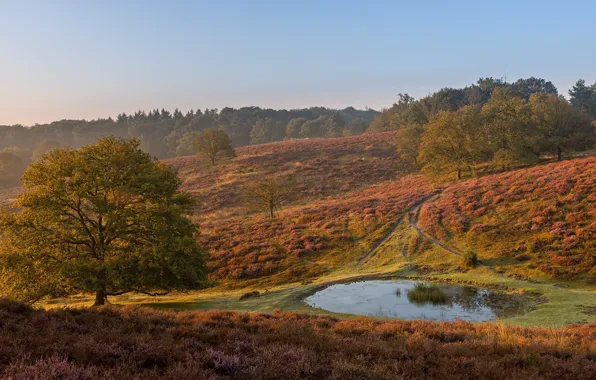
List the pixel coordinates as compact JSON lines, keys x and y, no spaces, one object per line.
{"x":458,"y":174}
{"x":100,"y":298}
{"x":559,"y":153}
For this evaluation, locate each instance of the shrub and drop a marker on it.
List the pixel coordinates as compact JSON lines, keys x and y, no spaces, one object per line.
{"x":254,"y":293}
{"x":470,"y":259}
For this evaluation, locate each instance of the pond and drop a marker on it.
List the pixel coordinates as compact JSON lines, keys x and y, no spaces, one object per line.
{"x":418,"y":300}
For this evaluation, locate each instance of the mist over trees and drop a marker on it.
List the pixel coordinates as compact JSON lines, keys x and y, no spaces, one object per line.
{"x":165,"y":134}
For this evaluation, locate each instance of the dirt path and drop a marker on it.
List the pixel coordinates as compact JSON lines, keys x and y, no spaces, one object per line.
{"x":396,"y":224}
{"x":414,"y":215}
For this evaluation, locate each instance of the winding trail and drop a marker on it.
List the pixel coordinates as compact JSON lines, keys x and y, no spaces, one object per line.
{"x":391,"y":230}
{"x":414,"y":216}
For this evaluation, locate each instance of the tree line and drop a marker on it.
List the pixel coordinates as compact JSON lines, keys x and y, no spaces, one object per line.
{"x":504,"y":124}
{"x":165,"y":134}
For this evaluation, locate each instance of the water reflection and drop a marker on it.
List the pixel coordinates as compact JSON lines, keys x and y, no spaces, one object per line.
{"x":409,"y":300}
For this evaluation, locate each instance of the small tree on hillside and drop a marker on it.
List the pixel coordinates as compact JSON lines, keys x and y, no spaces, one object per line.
{"x":105,"y":219}
{"x":210,"y":142}
{"x":267,"y":194}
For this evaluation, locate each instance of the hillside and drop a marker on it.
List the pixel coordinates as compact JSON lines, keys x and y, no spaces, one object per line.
{"x":535,"y":222}
{"x":119,"y":343}
{"x":346,"y":193}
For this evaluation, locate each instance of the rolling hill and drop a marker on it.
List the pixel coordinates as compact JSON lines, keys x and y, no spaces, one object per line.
{"x":536,"y":222}
{"x":346,"y":192}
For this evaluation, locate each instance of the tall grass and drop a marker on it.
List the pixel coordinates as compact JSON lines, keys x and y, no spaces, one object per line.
{"x":427,"y":293}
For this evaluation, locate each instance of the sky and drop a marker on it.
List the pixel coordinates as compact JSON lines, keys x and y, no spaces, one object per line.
{"x":88,"y":59}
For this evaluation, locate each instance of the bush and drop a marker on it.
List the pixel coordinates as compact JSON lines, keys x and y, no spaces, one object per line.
{"x":254,"y":293}
{"x":470,"y":259}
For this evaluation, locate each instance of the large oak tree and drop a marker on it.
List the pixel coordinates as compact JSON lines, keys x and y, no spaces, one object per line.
{"x":104,"y":219}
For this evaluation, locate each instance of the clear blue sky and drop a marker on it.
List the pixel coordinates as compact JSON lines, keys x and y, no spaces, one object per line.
{"x":89,"y":59}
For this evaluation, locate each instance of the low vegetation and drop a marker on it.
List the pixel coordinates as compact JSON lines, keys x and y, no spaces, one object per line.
{"x":423,"y":293}
{"x":535,"y":221}
{"x":118,"y":343}
{"x":338,"y":196}
{"x":470,"y":259}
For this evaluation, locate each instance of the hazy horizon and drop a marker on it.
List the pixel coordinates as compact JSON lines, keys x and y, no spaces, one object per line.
{"x":70,"y":60}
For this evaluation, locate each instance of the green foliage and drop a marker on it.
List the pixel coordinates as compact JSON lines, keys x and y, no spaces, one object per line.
{"x":106,"y":219}
{"x":405,"y":111}
{"x":452,"y":142}
{"x":265,"y":130}
{"x":583,"y":98}
{"x":509,"y":128}
{"x":407,"y":143}
{"x":562,"y":129}
{"x":166,"y":134}
{"x":470,"y":259}
{"x":294,"y":126}
{"x":211,"y":142}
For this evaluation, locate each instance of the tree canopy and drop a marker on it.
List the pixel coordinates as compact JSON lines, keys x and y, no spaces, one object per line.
{"x":104,"y":219}
{"x":211,"y":142}
{"x":504,"y":130}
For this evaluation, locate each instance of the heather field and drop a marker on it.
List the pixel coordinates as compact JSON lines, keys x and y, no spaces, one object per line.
{"x":535,"y":222}
{"x":354,"y":211}
{"x":132,"y":342}
{"x":345,"y":192}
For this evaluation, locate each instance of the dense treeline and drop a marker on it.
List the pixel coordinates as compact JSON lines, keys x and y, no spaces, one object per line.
{"x":164,"y":134}
{"x":454,"y":130}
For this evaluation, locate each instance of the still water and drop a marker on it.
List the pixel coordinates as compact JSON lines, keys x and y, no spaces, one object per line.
{"x":389,"y":298}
